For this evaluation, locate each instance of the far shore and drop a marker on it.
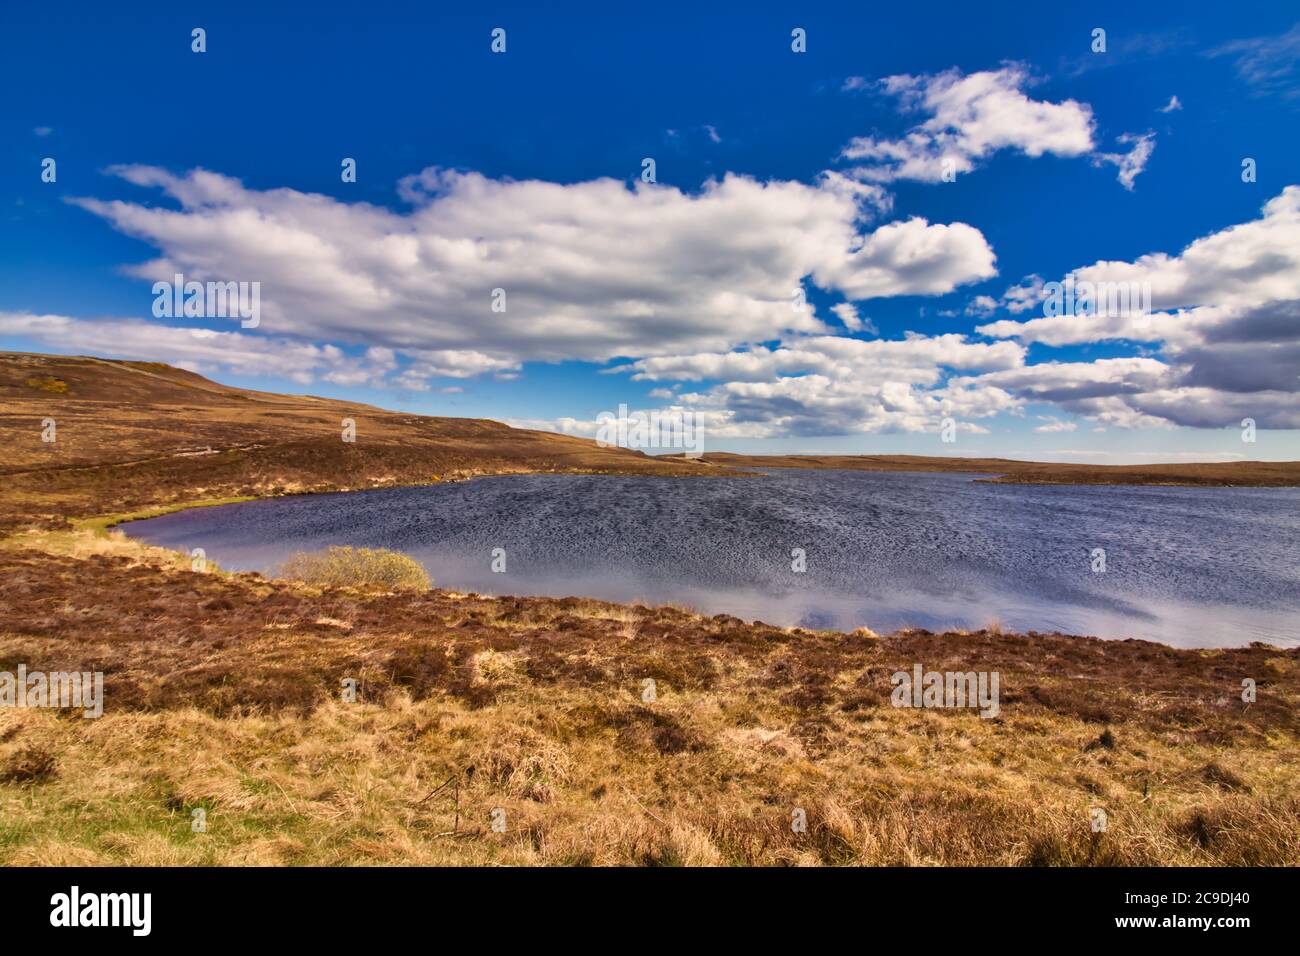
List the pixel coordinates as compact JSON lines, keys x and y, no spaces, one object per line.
{"x":1233,"y":474}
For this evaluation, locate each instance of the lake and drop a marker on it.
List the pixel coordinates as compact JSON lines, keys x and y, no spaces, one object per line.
{"x":1192,"y":567}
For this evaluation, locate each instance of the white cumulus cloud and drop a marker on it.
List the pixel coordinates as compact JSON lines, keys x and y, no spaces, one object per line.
{"x":589,"y":270}
{"x":968,"y":118}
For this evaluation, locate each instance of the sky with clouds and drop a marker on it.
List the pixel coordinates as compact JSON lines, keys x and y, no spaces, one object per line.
{"x":841,"y":247}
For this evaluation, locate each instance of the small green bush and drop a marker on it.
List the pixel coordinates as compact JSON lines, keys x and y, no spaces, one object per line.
{"x":339,"y":565}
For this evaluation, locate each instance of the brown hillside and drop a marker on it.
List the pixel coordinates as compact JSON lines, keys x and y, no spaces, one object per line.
{"x":134,"y":434}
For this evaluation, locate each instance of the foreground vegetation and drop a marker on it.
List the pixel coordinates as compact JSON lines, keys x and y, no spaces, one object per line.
{"x":230,"y":694}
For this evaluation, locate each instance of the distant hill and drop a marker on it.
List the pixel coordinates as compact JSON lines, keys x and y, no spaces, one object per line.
{"x":1219,"y":473}
{"x":137,"y":434}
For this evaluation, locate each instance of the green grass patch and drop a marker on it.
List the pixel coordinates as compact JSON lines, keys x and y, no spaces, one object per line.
{"x":100,"y":525}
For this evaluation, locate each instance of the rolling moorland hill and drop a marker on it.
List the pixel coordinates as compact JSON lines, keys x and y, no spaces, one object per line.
{"x":139,"y":434}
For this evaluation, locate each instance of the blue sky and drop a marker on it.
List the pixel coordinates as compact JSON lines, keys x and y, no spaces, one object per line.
{"x":522,"y":171}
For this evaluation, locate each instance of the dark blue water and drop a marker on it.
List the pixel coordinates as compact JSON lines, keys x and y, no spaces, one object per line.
{"x":1208,"y":567}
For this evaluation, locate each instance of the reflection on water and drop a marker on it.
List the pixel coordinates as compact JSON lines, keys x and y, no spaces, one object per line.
{"x":1188,"y":566}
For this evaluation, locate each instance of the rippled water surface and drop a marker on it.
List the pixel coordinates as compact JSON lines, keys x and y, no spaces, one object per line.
{"x":1188,"y":566}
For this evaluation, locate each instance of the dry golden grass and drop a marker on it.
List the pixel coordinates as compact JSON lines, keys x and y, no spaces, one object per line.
{"x":347,"y":785}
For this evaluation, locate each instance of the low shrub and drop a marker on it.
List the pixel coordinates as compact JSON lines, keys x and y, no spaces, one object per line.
{"x":352,"y":567}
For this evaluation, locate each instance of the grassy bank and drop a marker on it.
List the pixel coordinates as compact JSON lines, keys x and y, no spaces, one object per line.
{"x":100,"y":525}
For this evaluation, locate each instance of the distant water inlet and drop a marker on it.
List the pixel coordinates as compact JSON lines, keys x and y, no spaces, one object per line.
{"x":1192,"y":567}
